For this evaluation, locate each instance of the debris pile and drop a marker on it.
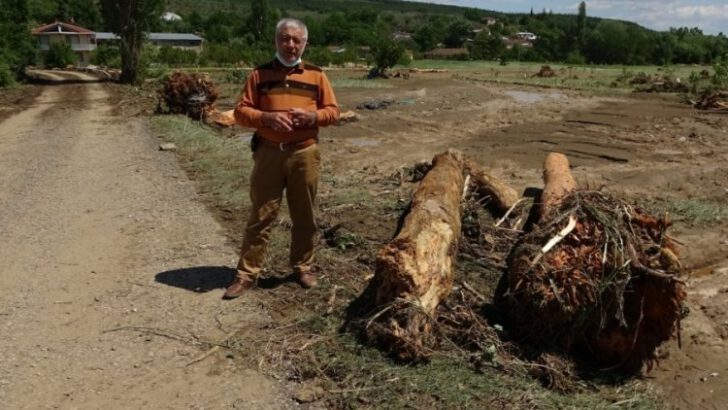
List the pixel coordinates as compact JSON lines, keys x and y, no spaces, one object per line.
{"x":712,"y":101}
{"x":591,"y":273}
{"x":545,"y":72}
{"x":664,"y":83}
{"x":191,"y":94}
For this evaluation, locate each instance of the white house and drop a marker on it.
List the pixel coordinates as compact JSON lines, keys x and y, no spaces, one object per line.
{"x":81,"y":40}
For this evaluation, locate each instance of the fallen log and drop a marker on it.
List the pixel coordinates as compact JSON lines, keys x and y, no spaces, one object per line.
{"x":595,"y":275}
{"x":414,"y":272}
{"x":502,"y":196}
{"x":558,"y":182}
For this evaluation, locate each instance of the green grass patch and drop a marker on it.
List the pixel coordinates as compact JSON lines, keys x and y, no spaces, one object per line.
{"x":221,"y":166}
{"x":355,"y":376}
{"x":693,"y":211}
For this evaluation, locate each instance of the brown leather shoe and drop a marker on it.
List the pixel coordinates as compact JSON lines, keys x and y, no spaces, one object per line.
{"x":237,"y":288}
{"x":307,"y":279}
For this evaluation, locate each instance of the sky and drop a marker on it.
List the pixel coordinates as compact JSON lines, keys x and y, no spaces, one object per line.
{"x":711,"y":16}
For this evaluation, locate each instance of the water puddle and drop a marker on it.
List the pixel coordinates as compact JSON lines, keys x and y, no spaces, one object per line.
{"x":527,"y":97}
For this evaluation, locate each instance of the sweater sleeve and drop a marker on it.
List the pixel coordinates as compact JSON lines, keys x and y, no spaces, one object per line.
{"x":327,"y":112}
{"x":246,"y":113}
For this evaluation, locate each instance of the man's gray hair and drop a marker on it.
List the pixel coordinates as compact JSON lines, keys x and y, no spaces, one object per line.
{"x":291,"y":23}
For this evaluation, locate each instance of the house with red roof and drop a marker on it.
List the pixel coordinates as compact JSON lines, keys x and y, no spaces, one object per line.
{"x":81,"y":40}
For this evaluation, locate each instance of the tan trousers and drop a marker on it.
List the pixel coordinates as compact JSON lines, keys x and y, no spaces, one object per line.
{"x":296,"y":172}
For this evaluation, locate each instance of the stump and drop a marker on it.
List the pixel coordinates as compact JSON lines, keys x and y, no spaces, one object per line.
{"x":415,"y":270}
{"x":597,"y":275}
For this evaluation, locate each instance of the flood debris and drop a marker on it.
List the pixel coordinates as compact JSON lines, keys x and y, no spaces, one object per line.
{"x":193,"y":94}
{"x":591,"y":273}
{"x":595,"y":275}
{"x":167,"y":146}
{"x":658,"y":83}
{"x":376,"y":104}
{"x":346,"y":117}
{"x":414,"y":272}
{"x":712,"y":101}
{"x":545,"y":72}
{"x":223,"y":118}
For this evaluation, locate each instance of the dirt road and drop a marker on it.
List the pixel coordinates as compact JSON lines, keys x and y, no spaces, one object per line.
{"x":111,"y":270}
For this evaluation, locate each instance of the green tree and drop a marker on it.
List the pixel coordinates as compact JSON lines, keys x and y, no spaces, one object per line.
{"x":456,"y":34}
{"x":386,"y":53}
{"x":86,"y":13}
{"x":261,"y":21}
{"x":17,"y":48}
{"x":581,"y":25}
{"x":426,"y":37}
{"x":106,"y":55}
{"x":608,"y":43}
{"x":487,"y":46}
{"x":130,"y":20}
{"x":60,"y":55}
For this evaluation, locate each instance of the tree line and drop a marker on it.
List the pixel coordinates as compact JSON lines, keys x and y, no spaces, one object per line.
{"x":391,"y":33}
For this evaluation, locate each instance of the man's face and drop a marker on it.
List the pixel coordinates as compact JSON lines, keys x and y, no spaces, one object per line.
{"x":290,"y":43}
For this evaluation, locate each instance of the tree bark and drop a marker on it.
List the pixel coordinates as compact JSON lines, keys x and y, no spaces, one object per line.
{"x":558,"y":182}
{"x":503,"y":197}
{"x":415,"y":270}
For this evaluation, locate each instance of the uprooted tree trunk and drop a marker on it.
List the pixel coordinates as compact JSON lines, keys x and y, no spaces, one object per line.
{"x":595,"y":274}
{"x":501,"y":196}
{"x":415,"y":270}
{"x":558,"y":182}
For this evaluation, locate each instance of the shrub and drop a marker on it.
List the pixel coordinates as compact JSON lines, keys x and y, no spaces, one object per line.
{"x":236,"y":76}
{"x":106,"y":55}
{"x":6,"y":75}
{"x":60,"y":55}
{"x":720,"y":77}
{"x":575,"y":58}
{"x":176,"y":56}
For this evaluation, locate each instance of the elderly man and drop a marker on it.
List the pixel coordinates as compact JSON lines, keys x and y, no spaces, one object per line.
{"x":286,"y":101}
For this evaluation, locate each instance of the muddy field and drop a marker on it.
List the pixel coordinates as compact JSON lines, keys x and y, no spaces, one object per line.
{"x":646,"y":148}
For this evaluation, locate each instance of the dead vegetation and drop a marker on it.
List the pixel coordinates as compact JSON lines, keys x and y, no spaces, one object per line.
{"x":593,"y":273}
{"x":191,"y":94}
{"x":711,"y":101}
{"x":545,"y":72}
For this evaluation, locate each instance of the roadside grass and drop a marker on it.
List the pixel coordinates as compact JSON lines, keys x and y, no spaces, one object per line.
{"x":220,"y":166}
{"x":694,"y":211}
{"x":306,"y":341}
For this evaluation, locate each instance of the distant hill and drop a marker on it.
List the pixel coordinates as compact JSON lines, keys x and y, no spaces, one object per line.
{"x":206,"y":7}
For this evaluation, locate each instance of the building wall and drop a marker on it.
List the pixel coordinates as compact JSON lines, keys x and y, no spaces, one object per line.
{"x":82,"y":44}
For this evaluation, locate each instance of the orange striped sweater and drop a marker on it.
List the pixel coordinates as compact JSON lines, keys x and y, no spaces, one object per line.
{"x":275,"y":87}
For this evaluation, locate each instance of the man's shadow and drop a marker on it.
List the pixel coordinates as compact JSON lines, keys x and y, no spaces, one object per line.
{"x":203,"y":279}
{"x":198,"y":279}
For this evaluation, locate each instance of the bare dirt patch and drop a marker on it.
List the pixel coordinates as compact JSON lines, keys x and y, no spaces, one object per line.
{"x":16,"y":99}
{"x":108,"y":263}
